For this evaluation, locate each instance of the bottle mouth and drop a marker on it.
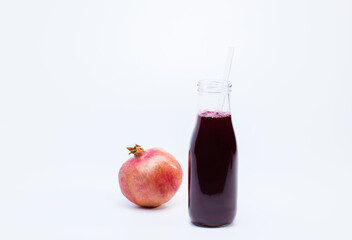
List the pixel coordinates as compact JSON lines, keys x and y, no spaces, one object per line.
{"x":214,"y":86}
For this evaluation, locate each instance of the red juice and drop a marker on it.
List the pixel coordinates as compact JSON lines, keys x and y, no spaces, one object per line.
{"x":212,"y":183}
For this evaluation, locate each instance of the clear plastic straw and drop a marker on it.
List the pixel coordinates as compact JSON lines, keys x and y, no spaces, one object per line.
{"x":226,"y":75}
{"x":228,"y":64}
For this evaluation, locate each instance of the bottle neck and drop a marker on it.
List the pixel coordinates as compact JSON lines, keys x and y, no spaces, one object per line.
{"x":214,"y":96}
{"x":214,"y":102}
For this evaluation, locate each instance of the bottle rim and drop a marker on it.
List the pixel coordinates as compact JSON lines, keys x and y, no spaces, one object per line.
{"x":214,"y":86}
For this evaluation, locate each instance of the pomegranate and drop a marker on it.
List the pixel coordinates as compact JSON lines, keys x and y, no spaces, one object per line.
{"x":151,"y":177}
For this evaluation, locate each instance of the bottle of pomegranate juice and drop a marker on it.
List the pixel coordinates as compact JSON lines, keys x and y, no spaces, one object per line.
{"x":212,"y":171}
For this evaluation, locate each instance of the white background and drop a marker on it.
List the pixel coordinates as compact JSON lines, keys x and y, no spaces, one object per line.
{"x":81,"y":80}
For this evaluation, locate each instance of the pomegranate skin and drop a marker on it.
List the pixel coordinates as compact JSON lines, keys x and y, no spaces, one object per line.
{"x":151,"y":178}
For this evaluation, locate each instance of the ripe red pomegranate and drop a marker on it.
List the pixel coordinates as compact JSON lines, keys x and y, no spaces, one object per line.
{"x":151,"y":177}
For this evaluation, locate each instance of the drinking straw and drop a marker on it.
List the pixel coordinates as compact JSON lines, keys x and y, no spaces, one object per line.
{"x":228,"y":64}
{"x":227,"y":71}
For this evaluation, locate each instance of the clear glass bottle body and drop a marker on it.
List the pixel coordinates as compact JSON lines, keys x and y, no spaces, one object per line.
{"x":212,"y":175}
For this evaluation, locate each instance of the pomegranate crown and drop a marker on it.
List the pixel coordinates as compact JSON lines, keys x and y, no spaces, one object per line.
{"x":137,"y":150}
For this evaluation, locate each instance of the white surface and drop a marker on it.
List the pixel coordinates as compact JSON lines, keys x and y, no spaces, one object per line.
{"x":81,"y":80}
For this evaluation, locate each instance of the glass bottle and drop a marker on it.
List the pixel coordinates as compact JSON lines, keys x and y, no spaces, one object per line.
{"x":212,"y":169}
